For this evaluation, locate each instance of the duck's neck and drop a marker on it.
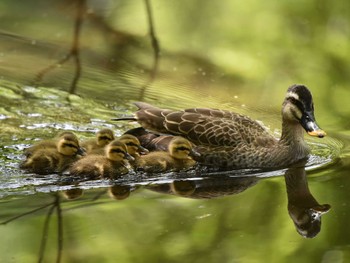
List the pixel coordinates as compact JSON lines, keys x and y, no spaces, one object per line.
{"x":293,"y":137}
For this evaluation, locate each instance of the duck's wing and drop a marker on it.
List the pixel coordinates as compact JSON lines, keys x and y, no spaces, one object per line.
{"x":201,"y":126}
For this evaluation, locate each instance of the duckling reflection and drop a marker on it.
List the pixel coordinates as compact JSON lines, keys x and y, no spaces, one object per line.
{"x":72,"y":194}
{"x":303,"y":208}
{"x":119,"y":192}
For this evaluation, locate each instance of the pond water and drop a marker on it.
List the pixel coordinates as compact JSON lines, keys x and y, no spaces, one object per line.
{"x":227,"y":55}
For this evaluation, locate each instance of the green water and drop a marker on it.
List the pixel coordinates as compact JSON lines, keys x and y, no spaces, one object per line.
{"x":229,"y":55}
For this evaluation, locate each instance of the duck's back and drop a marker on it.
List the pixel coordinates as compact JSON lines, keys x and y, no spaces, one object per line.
{"x":205,"y":126}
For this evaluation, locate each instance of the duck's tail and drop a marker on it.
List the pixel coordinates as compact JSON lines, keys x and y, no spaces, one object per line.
{"x":131,"y":118}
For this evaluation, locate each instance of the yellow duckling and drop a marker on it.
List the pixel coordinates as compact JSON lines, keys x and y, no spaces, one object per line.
{"x":133,"y":145}
{"x":46,"y":144}
{"x":96,"y":145}
{"x":178,"y":157}
{"x":45,"y":159}
{"x":111,"y":165}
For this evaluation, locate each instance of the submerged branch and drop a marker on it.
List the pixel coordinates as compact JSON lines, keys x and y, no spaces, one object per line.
{"x":24,"y":214}
{"x":45,"y":233}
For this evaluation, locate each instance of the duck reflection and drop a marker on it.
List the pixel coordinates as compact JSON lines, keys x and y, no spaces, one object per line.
{"x":206,"y":187}
{"x":303,"y":208}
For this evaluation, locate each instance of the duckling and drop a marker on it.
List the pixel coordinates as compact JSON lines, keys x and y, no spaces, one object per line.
{"x":229,"y":140}
{"x":46,"y":144}
{"x":133,"y":145}
{"x":96,"y":145}
{"x":47,"y":159}
{"x":112,"y":165}
{"x":178,"y":157}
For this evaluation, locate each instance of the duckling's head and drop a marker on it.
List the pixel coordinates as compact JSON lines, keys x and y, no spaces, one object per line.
{"x":104,"y":137}
{"x":132,"y":144}
{"x":180,"y":148}
{"x":117,"y":151}
{"x":298,"y":107}
{"x":68,"y":144}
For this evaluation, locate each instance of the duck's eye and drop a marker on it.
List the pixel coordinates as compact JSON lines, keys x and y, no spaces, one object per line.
{"x":131,"y":144}
{"x":117,"y":151}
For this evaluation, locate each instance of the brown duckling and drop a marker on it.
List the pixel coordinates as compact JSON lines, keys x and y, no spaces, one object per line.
{"x":111,"y":165}
{"x":178,"y":157}
{"x":96,"y":145}
{"x":45,"y":159}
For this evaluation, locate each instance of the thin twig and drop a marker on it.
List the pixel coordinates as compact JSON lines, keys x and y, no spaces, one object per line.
{"x":45,"y":232}
{"x":74,"y":51}
{"x":24,"y":214}
{"x":155,"y":46}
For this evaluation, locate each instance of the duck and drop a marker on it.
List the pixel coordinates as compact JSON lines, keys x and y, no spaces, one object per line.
{"x":177,"y":158}
{"x":111,"y":165}
{"x":53,"y":156}
{"x":149,"y":140}
{"x":228,"y":140}
{"x":96,"y":145}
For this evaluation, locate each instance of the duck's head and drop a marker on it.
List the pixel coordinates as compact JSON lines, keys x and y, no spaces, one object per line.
{"x":117,"y":151}
{"x":133,"y":145}
{"x":104,"y":137}
{"x":181,"y":148}
{"x":68,"y":144}
{"x":299,"y":107}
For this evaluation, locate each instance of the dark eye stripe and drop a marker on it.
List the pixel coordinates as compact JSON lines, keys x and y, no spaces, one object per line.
{"x":182,"y":148}
{"x":71,"y":145}
{"x":297,"y":103}
{"x":131,"y":144}
{"x":117,"y":151}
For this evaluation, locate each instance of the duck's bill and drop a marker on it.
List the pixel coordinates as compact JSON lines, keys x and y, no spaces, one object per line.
{"x":312,"y":128}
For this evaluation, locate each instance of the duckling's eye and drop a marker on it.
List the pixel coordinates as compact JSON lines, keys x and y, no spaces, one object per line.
{"x":117,"y":151}
{"x":182,"y":148}
{"x":131,"y":144}
{"x":71,"y":145}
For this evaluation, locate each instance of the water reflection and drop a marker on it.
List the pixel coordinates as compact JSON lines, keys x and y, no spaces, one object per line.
{"x":303,"y":208}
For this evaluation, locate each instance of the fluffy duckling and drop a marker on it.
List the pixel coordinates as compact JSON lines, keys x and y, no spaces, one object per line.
{"x":46,"y":144}
{"x":96,"y":145}
{"x":111,"y":165}
{"x":133,"y":145}
{"x":46,"y":159}
{"x":178,"y":157}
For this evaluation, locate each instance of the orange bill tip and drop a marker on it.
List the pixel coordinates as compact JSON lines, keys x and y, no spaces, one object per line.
{"x":317,"y":133}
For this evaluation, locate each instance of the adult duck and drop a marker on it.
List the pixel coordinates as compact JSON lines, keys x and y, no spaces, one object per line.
{"x":230,"y":140}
